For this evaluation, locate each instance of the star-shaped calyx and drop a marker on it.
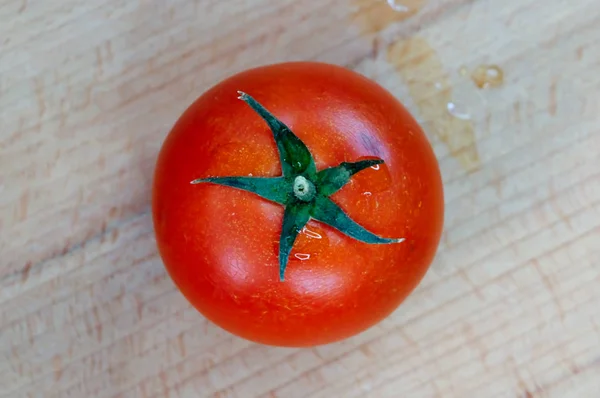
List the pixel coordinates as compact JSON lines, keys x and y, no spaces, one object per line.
{"x":302,"y":190}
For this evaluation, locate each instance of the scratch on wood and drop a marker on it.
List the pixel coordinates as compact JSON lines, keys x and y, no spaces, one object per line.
{"x":561,"y":214}
{"x":63,"y":113}
{"x":375,"y":47}
{"x":498,"y":183}
{"x":88,"y":96}
{"x":98,"y":324}
{"x":575,"y":369}
{"x":181,"y":344}
{"x":99,"y":62}
{"x":109,"y":52}
{"x":476,"y":289}
{"x":76,"y":215}
{"x":549,"y":285}
{"x":316,"y":352}
{"x":57,"y":365}
{"x":26,"y":271}
{"x":402,"y":332}
{"x":552,"y":107}
{"x":114,"y":235}
{"x":144,"y":390}
{"x":102,"y":162}
{"x":23,"y":205}
{"x":367,"y":351}
{"x":139,"y":306}
{"x":164,"y":381}
{"x":112,"y":213}
{"x":517,"y":111}
{"x":129,"y":146}
{"x":66,"y":248}
{"x":39,"y":92}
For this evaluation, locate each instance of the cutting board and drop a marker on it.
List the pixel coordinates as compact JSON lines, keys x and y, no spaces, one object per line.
{"x":508,"y":93}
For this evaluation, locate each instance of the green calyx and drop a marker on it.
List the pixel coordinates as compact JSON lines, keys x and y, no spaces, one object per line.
{"x":302,"y":190}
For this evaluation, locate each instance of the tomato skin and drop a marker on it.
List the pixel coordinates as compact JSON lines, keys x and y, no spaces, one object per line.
{"x":220,"y":244}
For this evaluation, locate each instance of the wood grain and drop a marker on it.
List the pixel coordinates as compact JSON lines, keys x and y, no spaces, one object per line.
{"x":88,"y":91}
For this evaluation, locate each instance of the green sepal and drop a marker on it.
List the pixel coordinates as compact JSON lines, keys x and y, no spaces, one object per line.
{"x":333,"y":179}
{"x":326,"y":211}
{"x":275,"y":189}
{"x":294,"y":155}
{"x":295,"y":218}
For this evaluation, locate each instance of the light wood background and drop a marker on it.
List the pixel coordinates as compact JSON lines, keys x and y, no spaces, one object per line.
{"x":88,"y":91}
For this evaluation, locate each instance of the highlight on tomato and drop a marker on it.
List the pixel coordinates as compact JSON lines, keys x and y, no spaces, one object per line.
{"x":297,"y":204}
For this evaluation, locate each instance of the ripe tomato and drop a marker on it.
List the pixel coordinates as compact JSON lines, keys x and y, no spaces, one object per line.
{"x":275,"y":267}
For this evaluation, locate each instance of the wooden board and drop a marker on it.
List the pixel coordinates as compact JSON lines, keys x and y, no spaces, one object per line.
{"x":88,"y":91}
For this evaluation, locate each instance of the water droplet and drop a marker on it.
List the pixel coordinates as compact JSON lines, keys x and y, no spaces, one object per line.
{"x":312,"y":239}
{"x":458,"y":110}
{"x":396,"y":6}
{"x":375,"y":167}
{"x":367,"y":193}
{"x":249,"y":174}
{"x":299,"y":164}
{"x":312,"y":234}
{"x":488,"y":76}
{"x":302,"y":256}
{"x":374,"y":16}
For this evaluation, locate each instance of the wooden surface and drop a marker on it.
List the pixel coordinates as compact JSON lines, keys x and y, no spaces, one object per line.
{"x":88,"y":91}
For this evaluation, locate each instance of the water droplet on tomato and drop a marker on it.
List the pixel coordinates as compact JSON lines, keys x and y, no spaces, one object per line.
{"x":396,"y":6}
{"x":459,"y":110}
{"x":311,"y":241}
{"x":375,"y":167}
{"x":302,"y":256}
{"x":312,"y":234}
{"x":367,"y":193}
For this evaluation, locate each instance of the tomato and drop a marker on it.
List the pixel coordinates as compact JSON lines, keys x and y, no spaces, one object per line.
{"x":263,"y":241}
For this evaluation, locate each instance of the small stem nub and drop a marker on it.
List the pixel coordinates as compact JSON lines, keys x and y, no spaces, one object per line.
{"x":304,"y":189}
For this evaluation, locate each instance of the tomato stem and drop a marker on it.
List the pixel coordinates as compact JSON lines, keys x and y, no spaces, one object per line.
{"x":304,"y":190}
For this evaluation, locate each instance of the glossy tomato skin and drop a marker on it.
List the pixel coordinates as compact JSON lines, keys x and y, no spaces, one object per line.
{"x":220,"y":245}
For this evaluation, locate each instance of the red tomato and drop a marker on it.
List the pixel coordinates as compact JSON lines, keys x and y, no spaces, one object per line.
{"x":221,"y":245}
